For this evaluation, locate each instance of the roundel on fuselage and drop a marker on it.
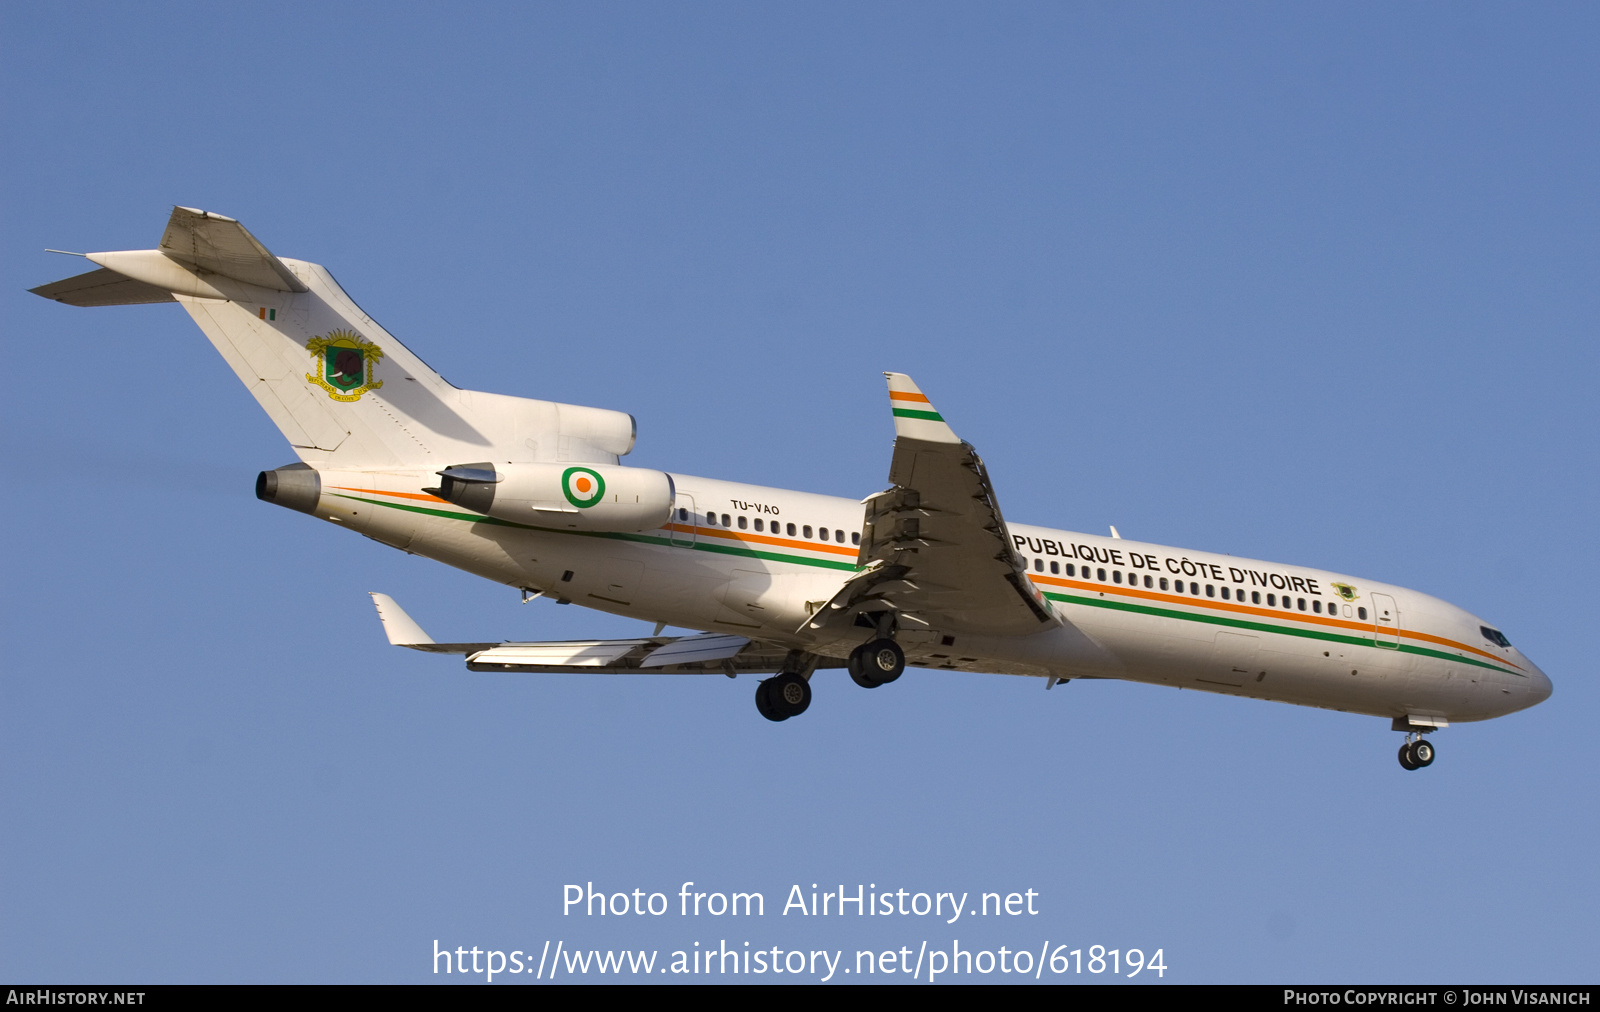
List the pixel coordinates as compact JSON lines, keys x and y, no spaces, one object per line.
{"x":582,"y":486}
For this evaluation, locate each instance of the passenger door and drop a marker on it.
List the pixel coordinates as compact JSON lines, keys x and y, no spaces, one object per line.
{"x":1386,"y":621}
{"x":680,"y":531}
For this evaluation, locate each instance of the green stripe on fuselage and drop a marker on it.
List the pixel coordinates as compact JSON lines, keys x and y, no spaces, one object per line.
{"x":1268,"y":627}
{"x":1092,"y":602}
{"x":646,"y":539}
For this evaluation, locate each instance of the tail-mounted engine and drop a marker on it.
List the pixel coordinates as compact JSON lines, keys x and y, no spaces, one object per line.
{"x":582,"y":497}
{"x":296,"y":486}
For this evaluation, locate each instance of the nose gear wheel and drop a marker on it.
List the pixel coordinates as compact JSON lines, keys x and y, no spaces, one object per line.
{"x":1415,"y":754}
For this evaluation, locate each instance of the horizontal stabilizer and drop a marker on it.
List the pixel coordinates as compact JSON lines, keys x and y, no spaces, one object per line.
{"x":104,"y":287}
{"x":219,"y":244}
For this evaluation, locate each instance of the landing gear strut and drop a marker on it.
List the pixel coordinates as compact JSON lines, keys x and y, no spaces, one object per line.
{"x":783,"y":696}
{"x":1416,"y":753}
{"x":876,"y":663}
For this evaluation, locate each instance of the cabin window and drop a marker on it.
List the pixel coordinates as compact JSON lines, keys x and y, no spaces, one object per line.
{"x":807,"y":530}
{"x":1255,"y":597}
{"x":1055,"y":567}
{"x":1316,"y":606}
{"x":855,"y":537}
{"x":1149,"y":582}
{"x":1272,"y":600}
{"x":758,"y":523}
{"x":1301,"y":602}
{"x":683,"y":515}
{"x":1100,"y":575}
{"x":726,"y":521}
{"x":1211,"y":591}
{"x":791,"y":530}
{"x":1038,"y":565}
{"x":1116,"y":576}
{"x":743,"y":523}
{"x":1361,"y":613}
{"x":838,"y":535}
{"x":1163,"y":583}
{"x":1224,"y":593}
{"x":1072,"y":570}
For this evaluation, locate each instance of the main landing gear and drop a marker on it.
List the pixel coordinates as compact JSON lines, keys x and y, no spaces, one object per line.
{"x":1416,"y":753}
{"x":788,"y":693}
{"x":876,"y":663}
{"x":783,"y":696}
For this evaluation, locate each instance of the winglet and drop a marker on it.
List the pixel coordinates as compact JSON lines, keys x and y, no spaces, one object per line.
{"x":914,"y":414}
{"x":401,"y":629}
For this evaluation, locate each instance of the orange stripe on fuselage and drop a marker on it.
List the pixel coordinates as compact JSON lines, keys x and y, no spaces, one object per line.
{"x":1245,"y":609}
{"x":762,"y":539}
{"x":401,"y":495}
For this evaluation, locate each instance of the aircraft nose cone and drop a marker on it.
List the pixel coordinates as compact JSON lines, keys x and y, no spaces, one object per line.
{"x":1541,"y":688}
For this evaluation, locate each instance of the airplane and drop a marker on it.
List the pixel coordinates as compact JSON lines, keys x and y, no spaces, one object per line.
{"x":779,"y":583}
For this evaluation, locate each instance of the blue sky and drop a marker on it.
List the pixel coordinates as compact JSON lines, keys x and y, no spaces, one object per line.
{"x":1307,"y":283}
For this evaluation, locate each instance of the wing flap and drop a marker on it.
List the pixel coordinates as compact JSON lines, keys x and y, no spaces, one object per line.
{"x":731,"y":655}
{"x":570,"y":654}
{"x":696,"y":650}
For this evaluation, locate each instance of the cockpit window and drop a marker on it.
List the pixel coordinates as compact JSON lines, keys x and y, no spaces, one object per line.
{"x":1494,"y":636}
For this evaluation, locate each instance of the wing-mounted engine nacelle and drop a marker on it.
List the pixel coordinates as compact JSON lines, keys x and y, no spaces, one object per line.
{"x":582,"y":497}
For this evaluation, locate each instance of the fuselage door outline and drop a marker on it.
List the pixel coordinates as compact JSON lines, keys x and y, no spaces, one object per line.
{"x":1386,"y":621}
{"x":681,"y":531}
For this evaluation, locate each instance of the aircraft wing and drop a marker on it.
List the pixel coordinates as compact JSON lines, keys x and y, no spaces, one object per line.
{"x":934,"y":548}
{"x":704,"y":654}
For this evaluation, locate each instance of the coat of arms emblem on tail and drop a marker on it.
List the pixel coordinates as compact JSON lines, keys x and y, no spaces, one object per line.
{"x":346,"y":360}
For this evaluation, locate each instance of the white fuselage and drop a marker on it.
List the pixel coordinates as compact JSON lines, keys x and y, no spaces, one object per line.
{"x":511,"y":488}
{"x":758,"y":561}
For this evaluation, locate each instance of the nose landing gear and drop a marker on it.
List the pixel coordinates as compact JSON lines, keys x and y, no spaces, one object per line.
{"x":1416,"y":753}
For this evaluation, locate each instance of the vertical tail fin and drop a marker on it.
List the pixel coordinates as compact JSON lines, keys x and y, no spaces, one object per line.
{"x":344,"y":391}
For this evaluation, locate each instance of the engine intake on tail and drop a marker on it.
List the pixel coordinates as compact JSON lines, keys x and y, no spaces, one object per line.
{"x":581,"y":497}
{"x":295,"y":486}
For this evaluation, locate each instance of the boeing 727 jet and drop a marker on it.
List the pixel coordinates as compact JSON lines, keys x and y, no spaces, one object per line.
{"x":926,"y":572}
